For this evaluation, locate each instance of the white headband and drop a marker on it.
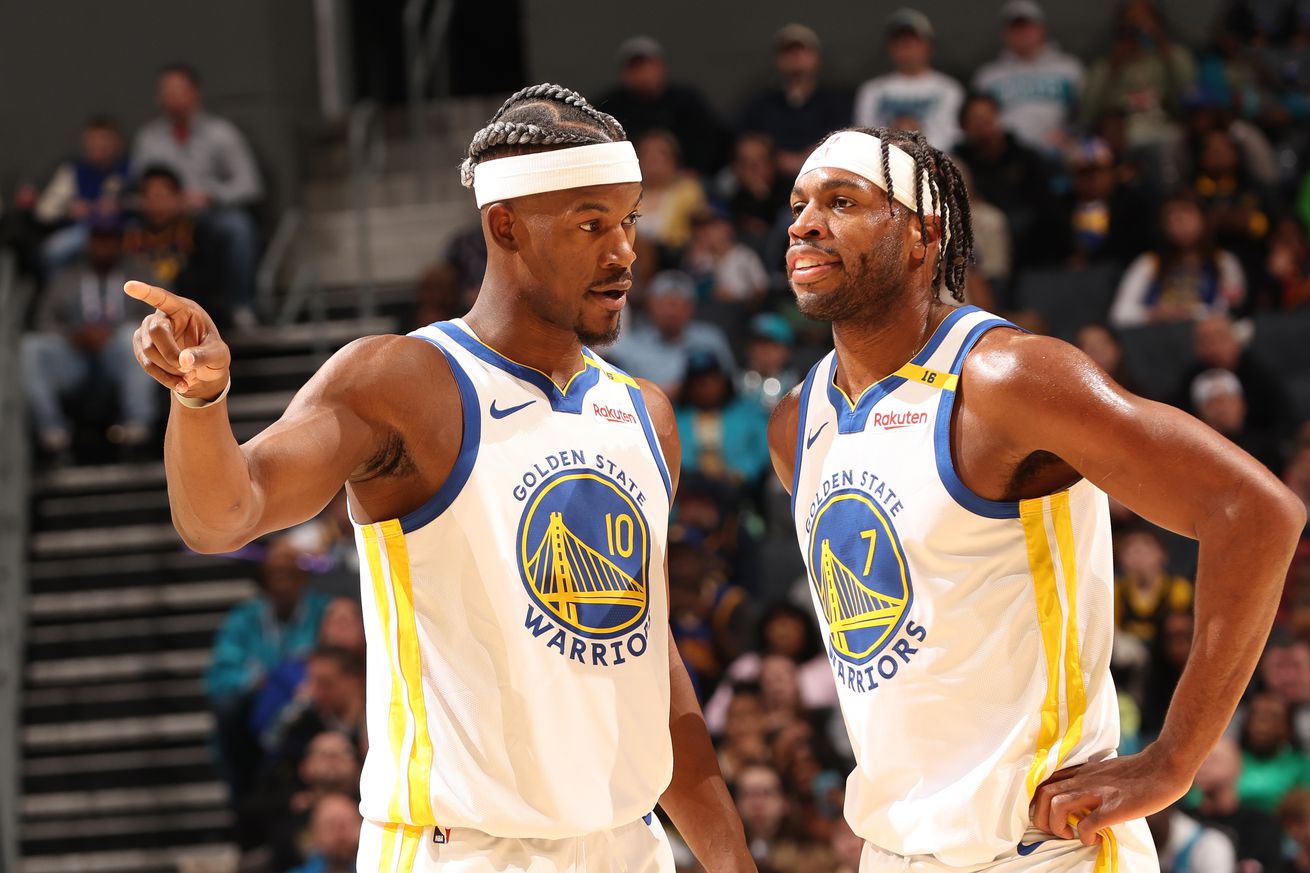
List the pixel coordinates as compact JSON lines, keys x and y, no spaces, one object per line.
{"x":608,"y":163}
{"x":861,"y":154}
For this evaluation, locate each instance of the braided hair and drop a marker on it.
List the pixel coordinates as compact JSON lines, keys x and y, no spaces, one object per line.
{"x":539,"y":118}
{"x":947,"y":188}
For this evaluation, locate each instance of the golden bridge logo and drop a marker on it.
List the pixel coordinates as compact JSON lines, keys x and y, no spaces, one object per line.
{"x":584,"y":549}
{"x":859,"y":574}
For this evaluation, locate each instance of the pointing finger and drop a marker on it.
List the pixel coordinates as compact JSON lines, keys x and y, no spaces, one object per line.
{"x":165,"y":301}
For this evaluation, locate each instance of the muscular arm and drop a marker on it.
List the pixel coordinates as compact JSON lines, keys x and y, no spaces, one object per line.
{"x":1038,"y":394}
{"x":782,"y":436}
{"x":697,"y":799}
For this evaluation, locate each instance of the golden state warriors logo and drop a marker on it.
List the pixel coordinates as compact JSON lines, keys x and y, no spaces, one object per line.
{"x":858,"y":570}
{"x":583,"y":553}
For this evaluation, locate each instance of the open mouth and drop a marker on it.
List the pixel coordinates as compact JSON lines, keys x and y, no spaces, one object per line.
{"x":610,"y":298}
{"x":807,"y":265}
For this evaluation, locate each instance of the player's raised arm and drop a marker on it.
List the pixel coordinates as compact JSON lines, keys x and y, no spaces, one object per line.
{"x":1178,"y":473}
{"x":223,"y":494}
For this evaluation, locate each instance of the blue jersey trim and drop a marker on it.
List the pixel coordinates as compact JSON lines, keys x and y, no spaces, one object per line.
{"x":468,"y":449}
{"x":852,"y":418}
{"x":800,"y":430}
{"x":569,"y":400}
{"x":639,"y":404}
{"x":960,"y":492}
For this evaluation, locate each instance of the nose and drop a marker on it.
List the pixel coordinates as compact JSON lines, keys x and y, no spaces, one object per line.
{"x":808,"y":225}
{"x":619,"y":253}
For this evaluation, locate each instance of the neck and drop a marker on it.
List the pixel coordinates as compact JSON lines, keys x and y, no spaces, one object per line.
{"x":506,"y":325}
{"x":871,"y":349}
{"x":914,"y":69}
{"x":799,"y":88}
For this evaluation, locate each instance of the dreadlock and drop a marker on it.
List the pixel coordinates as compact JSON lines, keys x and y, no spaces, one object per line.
{"x":539,"y":118}
{"x":946,"y":187}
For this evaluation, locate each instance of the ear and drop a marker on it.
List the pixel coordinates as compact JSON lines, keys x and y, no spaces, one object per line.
{"x":501,"y":225}
{"x":921,"y":239}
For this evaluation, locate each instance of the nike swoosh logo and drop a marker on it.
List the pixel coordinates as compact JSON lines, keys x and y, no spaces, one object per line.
{"x":809,"y":441}
{"x":501,"y":413}
{"x":1026,"y":849}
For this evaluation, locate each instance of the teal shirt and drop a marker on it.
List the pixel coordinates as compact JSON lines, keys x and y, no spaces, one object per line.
{"x":1264,"y":781}
{"x":250,"y":643}
{"x":745,"y":448}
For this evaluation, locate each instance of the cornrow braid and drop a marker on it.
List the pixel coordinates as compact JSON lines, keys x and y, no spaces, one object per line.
{"x":946,"y":188}
{"x":539,"y":118}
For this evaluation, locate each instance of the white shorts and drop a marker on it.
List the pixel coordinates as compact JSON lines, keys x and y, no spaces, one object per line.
{"x":639,"y":847}
{"x":1127,"y":849}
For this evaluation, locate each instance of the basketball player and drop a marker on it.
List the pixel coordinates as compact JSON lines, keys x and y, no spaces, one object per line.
{"x":510,"y":493}
{"x":949,"y":475}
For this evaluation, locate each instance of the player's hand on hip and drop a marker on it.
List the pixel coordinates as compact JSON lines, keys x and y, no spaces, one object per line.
{"x":178,"y":344}
{"x":1077,"y":803}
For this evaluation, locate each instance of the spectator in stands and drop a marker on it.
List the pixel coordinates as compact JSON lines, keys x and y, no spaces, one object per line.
{"x":1036,"y":85}
{"x":1255,"y":832}
{"x":1271,"y":764}
{"x":343,"y":626}
{"x":646,"y":100}
{"x":769,"y":373}
{"x":722,"y":435}
{"x":170,"y":247}
{"x":330,"y":541}
{"x":1285,"y":671}
{"x":784,"y":629}
{"x":1144,"y":591}
{"x":1185,"y":279}
{"x":726,"y":271}
{"x":672,"y":195}
{"x":1218,"y":347}
{"x":1294,"y":818}
{"x":1185,"y":846}
{"x":913,"y":90}
{"x":1168,"y":657}
{"x":1100,"y":343}
{"x":219,"y":176}
{"x":756,"y":191}
{"x":1206,"y":112}
{"x":741,"y":738}
{"x":658,"y":346}
{"x":1235,"y":206}
{"x":1219,"y":401}
{"x":84,"y":191}
{"x":1008,"y":175}
{"x":799,"y":110}
{"x":1288,"y":267}
{"x":330,"y":699}
{"x":334,"y":835}
{"x":710,"y":508}
{"x":992,"y":249}
{"x":448,"y":288}
{"x":846,"y":846}
{"x":706,"y":611}
{"x":1102,"y":220}
{"x":277,"y":815}
{"x":83,"y":335}
{"x":764,"y":810}
{"x":279,"y":625}
{"x":1145,"y":74}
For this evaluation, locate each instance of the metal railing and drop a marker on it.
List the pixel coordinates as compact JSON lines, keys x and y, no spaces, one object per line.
{"x":367,"y":149}
{"x":426,"y":25}
{"x":13,"y":538}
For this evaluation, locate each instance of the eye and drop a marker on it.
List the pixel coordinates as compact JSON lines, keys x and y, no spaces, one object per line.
{"x":590,"y":226}
{"x":842,"y":202}
{"x":631,"y":220}
{"x":797,"y":209}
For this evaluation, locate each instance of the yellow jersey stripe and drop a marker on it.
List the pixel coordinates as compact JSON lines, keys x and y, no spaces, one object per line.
{"x":409,"y":843}
{"x":1107,"y":856}
{"x":1074,"y":688}
{"x":387,"y":857}
{"x":1032,"y":513}
{"x":396,"y":715}
{"x":935,"y":378}
{"x":419,"y":767}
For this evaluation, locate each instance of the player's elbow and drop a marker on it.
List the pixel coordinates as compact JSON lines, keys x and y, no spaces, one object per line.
{"x":208,"y":541}
{"x":1290,"y":511}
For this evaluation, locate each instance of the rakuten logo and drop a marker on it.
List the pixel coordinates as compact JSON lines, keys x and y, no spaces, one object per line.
{"x":894,"y":420}
{"x":611,"y":414}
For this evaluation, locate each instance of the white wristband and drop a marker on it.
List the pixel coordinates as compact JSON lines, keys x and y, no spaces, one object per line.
{"x":197,"y":403}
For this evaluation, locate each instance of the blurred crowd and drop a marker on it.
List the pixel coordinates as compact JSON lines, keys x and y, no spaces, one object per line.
{"x":1167,"y":181}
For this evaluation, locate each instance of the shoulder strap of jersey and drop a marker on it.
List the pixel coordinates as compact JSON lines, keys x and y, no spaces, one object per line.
{"x":823,"y":366}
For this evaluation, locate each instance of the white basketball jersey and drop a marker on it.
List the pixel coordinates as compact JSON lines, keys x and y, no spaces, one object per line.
{"x":970,"y":638}
{"x":517,"y":623}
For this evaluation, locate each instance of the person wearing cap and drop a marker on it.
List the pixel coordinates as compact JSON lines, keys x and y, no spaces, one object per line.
{"x":798,"y":109}
{"x":913,"y":90}
{"x":1219,"y":401}
{"x":1037,"y":85}
{"x":658,"y":345}
{"x":646,"y":100}
{"x":510,"y":492}
{"x":83,"y":326}
{"x":950,"y":477}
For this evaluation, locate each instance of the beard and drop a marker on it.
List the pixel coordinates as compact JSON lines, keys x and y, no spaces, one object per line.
{"x":591,"y":329}
{"x":870,"y":290}
{"x":596,"y":337}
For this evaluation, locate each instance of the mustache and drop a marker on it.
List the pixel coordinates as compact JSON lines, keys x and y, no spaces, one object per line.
{"x":816,"y":247}
{"x":617,"y":276}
